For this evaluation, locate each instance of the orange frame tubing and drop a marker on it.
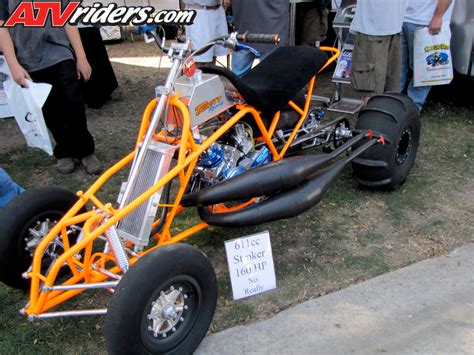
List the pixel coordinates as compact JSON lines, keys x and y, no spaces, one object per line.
{"x":96,"y":222}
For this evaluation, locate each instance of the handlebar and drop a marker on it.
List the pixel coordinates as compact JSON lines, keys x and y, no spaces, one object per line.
{"x":160,"y":41}
{"x":258,"y":38}
{"x":231,"y":42}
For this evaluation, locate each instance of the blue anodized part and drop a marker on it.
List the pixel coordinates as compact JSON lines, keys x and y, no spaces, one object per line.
{"x":263,"y":157}
{"x":236,"y":170}
{"x":212,"y":157}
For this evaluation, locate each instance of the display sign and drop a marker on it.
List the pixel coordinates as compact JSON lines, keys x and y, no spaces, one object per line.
{"x":251,"y":266}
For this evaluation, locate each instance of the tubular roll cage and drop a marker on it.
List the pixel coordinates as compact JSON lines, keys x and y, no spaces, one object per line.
{"x":89,"y":269}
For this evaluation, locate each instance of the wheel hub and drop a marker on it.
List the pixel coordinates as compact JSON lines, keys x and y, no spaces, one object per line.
{"x":167,"y":312}
{"x":37,"y":233}
{"x":404,"y":146}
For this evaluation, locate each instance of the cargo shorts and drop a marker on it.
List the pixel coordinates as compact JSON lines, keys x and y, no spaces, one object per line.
{"x":376,"y":64}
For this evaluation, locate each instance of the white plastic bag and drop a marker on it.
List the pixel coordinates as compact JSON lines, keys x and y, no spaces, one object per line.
{"x":25,"y":104}
{"x":432,"y":61}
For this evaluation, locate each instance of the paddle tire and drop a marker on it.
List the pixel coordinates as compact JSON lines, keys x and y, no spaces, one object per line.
{"x":23,"y":223}
{"x":396,"y":117}
{"x":164,"y":304}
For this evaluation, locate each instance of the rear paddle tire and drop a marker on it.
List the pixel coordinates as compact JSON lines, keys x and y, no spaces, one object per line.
{"x":396,"y":117}
{"x":164,"y":304}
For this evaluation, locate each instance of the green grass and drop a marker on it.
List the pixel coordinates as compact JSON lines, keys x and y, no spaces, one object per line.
{"x":374,"y":263}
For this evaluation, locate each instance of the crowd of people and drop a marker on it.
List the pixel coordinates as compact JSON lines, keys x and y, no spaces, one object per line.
{"x":382,"y":56}
{"x":383,"y":53}
{"x":382,"y":59}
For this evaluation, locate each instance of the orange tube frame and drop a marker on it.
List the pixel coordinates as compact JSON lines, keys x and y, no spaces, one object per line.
{"x":97,"y":221}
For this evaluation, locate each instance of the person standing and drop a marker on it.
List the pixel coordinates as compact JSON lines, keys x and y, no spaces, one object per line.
{"x":314,"y":18}
{"x":262,"y":16}
{"x":376,"y":58}
{"x":53,"y":55}
{"x":210,"y":22}
{"x":419,"y":14}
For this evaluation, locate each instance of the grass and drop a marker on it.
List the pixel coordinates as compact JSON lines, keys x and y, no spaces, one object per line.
{"x":352,"y":235}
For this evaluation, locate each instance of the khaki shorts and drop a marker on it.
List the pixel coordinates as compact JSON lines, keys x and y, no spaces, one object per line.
{"x":376,"y":64}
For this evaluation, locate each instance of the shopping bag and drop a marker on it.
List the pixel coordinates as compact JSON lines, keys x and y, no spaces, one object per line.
{"x":432,"y":61}
{"x":25,"y":104}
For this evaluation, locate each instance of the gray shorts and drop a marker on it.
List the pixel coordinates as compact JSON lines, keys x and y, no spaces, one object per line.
{"x":376,"y":64}
{"x":207,"y":25}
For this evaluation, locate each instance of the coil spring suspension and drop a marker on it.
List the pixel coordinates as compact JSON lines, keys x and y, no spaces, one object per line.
{"x":117,"y":248}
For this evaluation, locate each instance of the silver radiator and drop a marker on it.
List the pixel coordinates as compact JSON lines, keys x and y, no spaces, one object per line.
{"x":137,"y":225}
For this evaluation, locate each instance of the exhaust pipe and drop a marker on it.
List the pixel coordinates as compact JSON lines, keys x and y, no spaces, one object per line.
{"x":265,"y":180}
{"x":285,"y":204}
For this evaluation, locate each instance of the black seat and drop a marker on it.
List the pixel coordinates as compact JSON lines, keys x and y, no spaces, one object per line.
{"x":276,"y":80}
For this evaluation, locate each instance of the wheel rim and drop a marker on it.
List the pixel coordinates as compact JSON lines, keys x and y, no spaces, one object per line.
{"x":404,"y":146}
{"x":32,"y":234}
{"x":171,"y":313}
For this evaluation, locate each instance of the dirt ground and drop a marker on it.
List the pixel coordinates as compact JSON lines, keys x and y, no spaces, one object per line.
{"x":352,"y":235}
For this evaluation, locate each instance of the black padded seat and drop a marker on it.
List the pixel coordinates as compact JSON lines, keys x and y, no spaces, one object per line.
{"x":277,"y":79}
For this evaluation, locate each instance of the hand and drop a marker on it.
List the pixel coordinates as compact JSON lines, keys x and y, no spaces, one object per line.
{"x":20,"y":75}
{"x":435,"y":25}
{"x":84,"y":70}
{"x":225,"y":4}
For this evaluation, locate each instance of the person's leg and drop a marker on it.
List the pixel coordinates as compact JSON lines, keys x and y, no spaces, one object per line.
{"x":369,"y":64}
{"x":323,"y":25}
{"x":68,"y":108}
{"x":199,"y":33}
{"x":65,"y":116}
{"x":220,"y":29}
{"x":405,"y":67}
{"x":311,"y":20}
{"x":242,"y":61}
{"x":417,"y":94}
{"x":394,"y":65}
{"x":8,"y":188}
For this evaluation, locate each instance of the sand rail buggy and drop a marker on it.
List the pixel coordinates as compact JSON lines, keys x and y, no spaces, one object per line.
{"x":222,"y":141}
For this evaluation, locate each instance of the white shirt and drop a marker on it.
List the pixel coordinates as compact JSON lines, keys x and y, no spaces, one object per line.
{"x":379,"y":17}
{"x":421,"y":12}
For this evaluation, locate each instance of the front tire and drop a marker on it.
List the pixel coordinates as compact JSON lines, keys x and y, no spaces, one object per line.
{"x":396,"y":117}
{"x":164,"y":304}
{"x":23,"y":223}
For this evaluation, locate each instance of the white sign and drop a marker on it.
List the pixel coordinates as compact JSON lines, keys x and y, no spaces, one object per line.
{"x":251,"y":266}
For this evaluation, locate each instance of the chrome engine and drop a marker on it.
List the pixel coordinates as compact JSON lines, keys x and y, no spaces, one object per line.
{"x":230,"y":156}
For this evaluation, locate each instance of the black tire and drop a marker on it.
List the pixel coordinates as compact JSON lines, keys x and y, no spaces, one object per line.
{"x":16,"y":219}
{"x":180,"y":271}
{"x":396,"y":117}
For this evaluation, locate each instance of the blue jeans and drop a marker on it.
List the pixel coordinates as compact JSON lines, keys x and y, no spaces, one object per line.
{"x":8,"y":189}
{"x":242,"y":61}
{"x":420,"y":93}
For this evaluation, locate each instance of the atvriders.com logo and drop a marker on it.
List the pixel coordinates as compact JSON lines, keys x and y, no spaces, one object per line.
{"x":35,"y":14}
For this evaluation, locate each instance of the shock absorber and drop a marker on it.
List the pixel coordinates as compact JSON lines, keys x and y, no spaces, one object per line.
{"x":117,"y":248}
